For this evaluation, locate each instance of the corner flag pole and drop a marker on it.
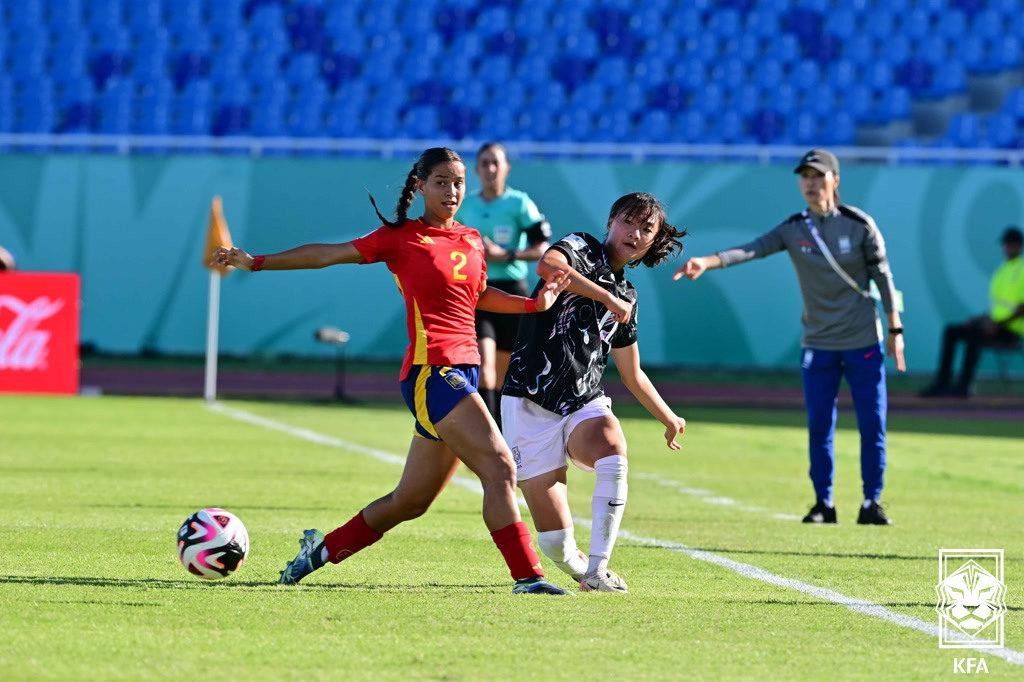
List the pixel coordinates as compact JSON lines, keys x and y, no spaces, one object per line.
{"x":212,"y":327}
{"x":217,"y":235}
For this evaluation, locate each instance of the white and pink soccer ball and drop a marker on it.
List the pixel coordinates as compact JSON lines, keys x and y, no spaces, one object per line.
{"x":212,"y":543}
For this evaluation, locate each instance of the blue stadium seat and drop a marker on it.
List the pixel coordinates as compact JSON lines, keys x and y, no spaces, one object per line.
{"x":729,"y":128}
{"x":1002,"y":130}
{"x":613,"y":126}
{"x":343,"y":119}
{"x":710,"y":101}
{"x":114,"y":108}
{"x":842,"y":74}
{"x":304,"y":118}
{"x":896,"y":104}
{"x":860,"y":49}
{"x":690,"y":127}
{"x":842,"y":23}
{"x":746,"y":100}
{"x":840,"y":129}
{"x":950,"y":79}
{"x":988,"y":24}
{"x":784,"y":99}
{"x":1003,"y":53}
{"x":458,"y":122}
{"x":1014,"y":103}
{"x":895,"y":49}
{"x":267,"y":120}
{"x":965,"y":130}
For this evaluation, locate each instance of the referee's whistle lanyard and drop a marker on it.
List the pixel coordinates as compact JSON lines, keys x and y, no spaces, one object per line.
{"x":830,"y":258}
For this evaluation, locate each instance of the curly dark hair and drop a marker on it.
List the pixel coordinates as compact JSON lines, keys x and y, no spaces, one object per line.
{"x":640,"y":207}
{"x":421,"y":170}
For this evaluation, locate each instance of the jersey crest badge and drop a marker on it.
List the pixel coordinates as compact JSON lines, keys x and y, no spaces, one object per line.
{"x":454,"y":379}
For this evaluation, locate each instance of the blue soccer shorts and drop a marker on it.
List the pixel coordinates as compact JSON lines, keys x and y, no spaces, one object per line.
{"x":432,"y":391}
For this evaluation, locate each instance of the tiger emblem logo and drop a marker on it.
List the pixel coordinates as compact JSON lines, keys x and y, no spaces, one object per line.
{"x":971,"y":599}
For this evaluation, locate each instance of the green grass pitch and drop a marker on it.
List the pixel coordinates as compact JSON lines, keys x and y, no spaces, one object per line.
{"x":92,"y":492}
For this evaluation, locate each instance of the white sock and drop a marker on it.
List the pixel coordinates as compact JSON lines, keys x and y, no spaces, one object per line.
{"x":867,"y":503}
{"x":607,"y":506}
{"x":560,"y":547}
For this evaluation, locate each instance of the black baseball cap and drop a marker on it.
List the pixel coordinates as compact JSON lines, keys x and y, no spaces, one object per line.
{"x":821,"y":160}
{"x":1012,"y":235}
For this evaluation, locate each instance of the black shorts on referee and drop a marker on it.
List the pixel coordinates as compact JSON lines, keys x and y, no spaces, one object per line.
{"x":501,"y":327}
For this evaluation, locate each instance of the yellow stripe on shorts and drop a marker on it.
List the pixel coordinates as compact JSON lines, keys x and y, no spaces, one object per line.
{"x":422,"y":415}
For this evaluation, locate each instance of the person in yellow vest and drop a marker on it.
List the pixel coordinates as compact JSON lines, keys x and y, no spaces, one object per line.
{"x":1003,"y":325}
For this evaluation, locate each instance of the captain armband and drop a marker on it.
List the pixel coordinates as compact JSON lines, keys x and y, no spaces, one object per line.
{"x":538,"y":232}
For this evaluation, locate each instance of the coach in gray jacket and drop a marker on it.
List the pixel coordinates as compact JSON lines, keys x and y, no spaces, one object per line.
{"x":838,"y":253}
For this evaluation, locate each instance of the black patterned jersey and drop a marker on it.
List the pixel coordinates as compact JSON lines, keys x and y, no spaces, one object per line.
{"x":560,"y":354}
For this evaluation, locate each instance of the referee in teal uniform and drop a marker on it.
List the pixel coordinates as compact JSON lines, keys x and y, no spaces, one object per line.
{"x":513,"y":231}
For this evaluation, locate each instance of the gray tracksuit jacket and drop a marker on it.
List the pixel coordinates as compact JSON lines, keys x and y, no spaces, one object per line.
{"x":835,"y":316}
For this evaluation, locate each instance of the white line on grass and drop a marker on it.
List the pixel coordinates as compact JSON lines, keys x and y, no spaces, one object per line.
{"x":862,"y":606}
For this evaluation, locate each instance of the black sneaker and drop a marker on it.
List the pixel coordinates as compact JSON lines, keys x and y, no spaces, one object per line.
{"x":873,"y":515}
{"x":820,"y":513}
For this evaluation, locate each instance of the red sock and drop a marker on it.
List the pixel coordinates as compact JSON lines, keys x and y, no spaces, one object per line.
{"x":343,"y":542}
{"x":515,"y":544}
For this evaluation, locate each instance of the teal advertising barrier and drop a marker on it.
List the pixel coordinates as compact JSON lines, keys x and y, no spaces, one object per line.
{"x":133,"y":227}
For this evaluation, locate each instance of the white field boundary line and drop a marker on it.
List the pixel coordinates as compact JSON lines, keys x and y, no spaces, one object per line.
{"x":861,"y":606}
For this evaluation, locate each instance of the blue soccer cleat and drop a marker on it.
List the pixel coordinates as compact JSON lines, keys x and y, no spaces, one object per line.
{"x":302,"y":565}
{"x":536,"y":586}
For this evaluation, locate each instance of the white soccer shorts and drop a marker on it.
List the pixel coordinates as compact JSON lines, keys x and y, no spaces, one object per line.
{"x":538,"y":438}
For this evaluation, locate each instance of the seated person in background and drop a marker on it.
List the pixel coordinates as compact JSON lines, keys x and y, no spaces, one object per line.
{"x":1002,"y":326}
{"x":6,"y":260}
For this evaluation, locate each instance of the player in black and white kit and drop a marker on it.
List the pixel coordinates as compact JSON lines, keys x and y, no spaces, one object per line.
{"x":553,"y":408}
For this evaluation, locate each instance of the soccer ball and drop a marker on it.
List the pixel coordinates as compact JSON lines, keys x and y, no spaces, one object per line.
{"x":212,"y":543}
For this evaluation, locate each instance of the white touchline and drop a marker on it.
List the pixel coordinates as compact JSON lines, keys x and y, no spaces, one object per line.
{"x":746,"y":570}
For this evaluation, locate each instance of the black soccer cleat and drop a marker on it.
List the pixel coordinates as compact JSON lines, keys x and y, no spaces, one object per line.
{"x":873,"y":515}
{"x":820,"y":513}
{"x":536,"y":585}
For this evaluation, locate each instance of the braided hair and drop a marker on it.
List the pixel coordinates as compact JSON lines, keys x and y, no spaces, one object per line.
{"x":421,"y":170}
{"x":640,"y":207}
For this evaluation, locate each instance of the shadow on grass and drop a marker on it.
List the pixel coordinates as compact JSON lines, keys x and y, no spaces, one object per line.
{"x":236,"y":585}
{"x":815,"y":602}
{"x":246,"y":508}
{"x":96,"y":602}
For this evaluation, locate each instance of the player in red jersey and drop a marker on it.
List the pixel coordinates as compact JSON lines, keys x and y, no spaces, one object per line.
{"x":441,"y":271}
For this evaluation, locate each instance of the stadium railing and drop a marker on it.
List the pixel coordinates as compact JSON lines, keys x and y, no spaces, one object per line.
{"x":258,"y":146}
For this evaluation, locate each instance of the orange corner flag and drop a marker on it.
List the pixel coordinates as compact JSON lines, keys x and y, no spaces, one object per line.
{"x":217,"y":235}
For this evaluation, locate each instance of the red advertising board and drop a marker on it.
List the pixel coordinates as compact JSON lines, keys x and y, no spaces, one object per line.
{"x":39,"y":315}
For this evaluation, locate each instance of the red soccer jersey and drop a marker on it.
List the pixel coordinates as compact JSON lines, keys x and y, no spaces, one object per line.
{"x":440,"y":273}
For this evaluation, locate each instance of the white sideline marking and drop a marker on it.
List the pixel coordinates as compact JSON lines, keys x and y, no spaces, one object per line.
{"x":711,"y":498}
{"x":746,"y":570}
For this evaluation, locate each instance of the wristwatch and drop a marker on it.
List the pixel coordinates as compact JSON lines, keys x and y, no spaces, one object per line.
{"x":895,"y":331}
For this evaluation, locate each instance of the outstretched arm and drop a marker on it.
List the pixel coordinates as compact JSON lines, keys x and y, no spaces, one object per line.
{"x":305,"y":257}
{"x":627,"y":361}
{"x":695,"y":267}
{"x":768,"y":243}
{"x":554,"y":260}
{"x":495,"y":301}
